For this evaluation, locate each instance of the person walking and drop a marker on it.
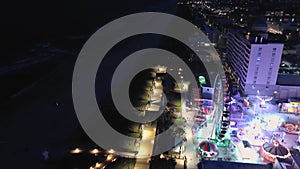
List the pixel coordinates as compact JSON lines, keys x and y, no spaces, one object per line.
{"x":45,"y":155}
{"x":283,"y":136}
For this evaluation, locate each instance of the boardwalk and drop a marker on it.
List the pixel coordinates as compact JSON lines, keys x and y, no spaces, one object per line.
{"x":190,"y":147}
{"x":146,"y":147}
{"x":147,"y":142}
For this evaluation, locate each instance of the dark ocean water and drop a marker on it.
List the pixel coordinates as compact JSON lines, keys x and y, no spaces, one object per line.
{"x":28,"y":26}
{"x":63,"y":25}
{"x":24,"y":23}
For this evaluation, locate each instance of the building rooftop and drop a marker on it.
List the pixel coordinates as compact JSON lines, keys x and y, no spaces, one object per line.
{"x":252,"y":37}
{"x":211,"y":164}
{"x":259,"y":22}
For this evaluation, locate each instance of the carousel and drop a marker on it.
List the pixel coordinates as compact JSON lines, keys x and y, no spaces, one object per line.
{"x":208,"y":149}
{"x":271,"y":151}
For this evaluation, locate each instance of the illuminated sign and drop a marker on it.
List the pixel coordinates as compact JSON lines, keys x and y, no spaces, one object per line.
{"x":292,"y":107}
{"x":201,"y":80}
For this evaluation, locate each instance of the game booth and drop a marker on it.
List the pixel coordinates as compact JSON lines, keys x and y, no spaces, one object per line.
{"x":291,"y":107}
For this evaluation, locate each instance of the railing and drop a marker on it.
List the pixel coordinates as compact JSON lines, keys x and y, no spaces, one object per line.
{"x":181,"y":157}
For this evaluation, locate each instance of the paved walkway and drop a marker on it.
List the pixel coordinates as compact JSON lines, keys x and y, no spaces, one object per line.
{"x":156,"y":97}
{"x":146,"y":147}
{"x":190,"y":145}
{"x":147,"y":142}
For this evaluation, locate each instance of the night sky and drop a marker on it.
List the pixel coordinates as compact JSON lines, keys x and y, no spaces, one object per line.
{"x":52,"y":17}
{"x":25,"y":23}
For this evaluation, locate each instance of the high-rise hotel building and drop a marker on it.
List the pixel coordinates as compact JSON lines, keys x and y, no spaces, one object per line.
{"x":255,"y":62}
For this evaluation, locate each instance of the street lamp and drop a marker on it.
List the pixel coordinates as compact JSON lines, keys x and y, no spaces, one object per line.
{"x":275,"y":94}
{"x":98,"y":165}
{"x":95,"y":151}
{"x":76,"y":151}
{"x":111,"y":151}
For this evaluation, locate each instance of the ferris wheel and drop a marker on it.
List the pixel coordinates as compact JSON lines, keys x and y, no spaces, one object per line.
{"x":221,"y":117}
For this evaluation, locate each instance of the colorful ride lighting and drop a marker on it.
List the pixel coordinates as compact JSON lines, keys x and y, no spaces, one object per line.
{"x":76,"y":151}
{"x":275,"y":150}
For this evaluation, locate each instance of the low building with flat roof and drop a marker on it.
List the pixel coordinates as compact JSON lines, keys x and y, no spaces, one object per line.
{"x":212,"y":164}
